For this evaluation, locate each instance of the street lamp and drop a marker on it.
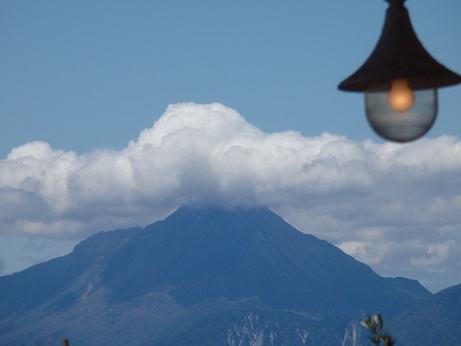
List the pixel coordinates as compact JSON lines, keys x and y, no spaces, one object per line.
{"x":400,"y":80}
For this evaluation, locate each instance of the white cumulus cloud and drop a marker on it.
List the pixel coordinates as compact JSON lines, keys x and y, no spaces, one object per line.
{"x":393,"y":206}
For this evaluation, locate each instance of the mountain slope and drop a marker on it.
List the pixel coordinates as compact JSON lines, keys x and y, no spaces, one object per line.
{"x":267,"y":327}
{"x":211,"y":253}
{"x":434,"y":321}
{"x":195,"y":263}
{"x":50,"y":281}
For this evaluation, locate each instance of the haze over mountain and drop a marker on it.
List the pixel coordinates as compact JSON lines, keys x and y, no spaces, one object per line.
{"x":186,"y":268}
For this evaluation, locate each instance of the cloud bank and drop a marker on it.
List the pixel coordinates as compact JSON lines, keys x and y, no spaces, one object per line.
{"x":396,"y":207}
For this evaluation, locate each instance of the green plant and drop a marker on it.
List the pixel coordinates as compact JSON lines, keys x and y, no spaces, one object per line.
{"x":375,"y":325}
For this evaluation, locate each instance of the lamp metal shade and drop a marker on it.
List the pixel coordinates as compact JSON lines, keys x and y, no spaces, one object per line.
{"x":399,"y":55}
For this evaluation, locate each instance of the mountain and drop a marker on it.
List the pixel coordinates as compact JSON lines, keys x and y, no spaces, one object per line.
{"x":269,"y":327}
{"x":435,"y":321}
{"x":196,"y":266}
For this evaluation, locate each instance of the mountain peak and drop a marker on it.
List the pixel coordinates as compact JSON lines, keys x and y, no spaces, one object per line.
{"x":223,"y":212}
{"x":200,"y":257}
{"x":202,"y":253}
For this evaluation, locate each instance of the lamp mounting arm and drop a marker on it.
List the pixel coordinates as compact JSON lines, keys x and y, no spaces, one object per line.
{"x":395,"y":2}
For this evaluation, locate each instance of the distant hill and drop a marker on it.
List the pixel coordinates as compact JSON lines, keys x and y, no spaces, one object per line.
{"x":435,"y":321}
{"x":197,"y":266}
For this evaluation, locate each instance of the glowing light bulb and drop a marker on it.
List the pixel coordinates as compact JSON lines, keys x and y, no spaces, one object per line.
{"x":400,"y":98}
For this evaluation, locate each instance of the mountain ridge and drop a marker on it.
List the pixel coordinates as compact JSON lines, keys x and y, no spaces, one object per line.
{"x":433,"y":321}
{"x":195,"y":262}
{"x":189,"y":258}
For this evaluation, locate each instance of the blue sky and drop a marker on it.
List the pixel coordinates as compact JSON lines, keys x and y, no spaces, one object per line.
{"x":87,"y":77}
{"x":87,"y":74}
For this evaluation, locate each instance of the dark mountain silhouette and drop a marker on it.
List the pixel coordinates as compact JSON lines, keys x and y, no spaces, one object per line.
{"x":211,"y":253}
{"x":435,"y":321}
{"x":156,"y":283}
